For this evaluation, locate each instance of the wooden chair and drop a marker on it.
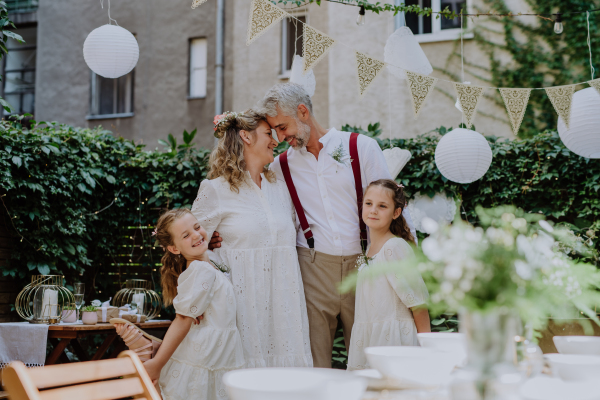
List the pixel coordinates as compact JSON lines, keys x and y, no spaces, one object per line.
{"x":92,"y":380}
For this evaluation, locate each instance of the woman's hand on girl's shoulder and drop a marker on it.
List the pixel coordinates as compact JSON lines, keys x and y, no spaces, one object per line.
{"x":215,"y":241}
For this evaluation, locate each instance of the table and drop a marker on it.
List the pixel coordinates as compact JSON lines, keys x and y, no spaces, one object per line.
{"x":63,"y":335}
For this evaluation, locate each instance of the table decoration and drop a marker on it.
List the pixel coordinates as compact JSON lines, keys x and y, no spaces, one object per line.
{"x":69,"y":314}
{"x":89,"y":315}
{"x":137,"y":293}
{"x":577,"y":344}
{"x":105,"y":311}
{"x":43,"y":300}
{"x":79,"y":292}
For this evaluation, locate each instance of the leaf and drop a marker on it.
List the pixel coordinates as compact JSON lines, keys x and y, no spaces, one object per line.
{"x":43,"y":269}
{"x":13,"y":35}
{"x":81,"y":187}
{"x":31,"y":216}
{"x":70,"y":249}
{"x":31,"y":265}
{"x":17,"y":161}
{"x":172,"y":142}
{"x":111,"y":179}
{"x":7,"y":107}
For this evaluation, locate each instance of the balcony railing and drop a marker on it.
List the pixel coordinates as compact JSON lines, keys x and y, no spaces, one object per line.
{"x":20,"y":6}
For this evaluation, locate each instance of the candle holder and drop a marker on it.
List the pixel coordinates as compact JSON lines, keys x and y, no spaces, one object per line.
{"x":139,"y":291}
{"x":44,"y":299}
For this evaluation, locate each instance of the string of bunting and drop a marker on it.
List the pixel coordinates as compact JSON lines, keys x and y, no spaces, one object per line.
{"x":316,"y":45}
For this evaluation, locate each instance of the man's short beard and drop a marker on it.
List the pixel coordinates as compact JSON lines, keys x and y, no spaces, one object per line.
{"x":302,"y":135}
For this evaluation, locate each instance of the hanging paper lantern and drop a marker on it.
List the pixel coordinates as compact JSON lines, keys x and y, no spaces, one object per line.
{"x":403,"y":50}
{"x":463,"y":156}
{"x":583,"y":135}
{"x":307,"y":81}
{"x":111,"y":51}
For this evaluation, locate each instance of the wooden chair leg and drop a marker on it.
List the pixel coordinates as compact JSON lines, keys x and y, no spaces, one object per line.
{"x":58,"y":351}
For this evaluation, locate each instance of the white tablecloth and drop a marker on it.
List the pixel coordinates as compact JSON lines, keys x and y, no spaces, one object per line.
{"x":24,"y":342}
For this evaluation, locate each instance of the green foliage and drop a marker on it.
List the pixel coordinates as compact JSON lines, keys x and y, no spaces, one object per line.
{"x":89,"y":309}
{"x":540,"y":58}
{"x":5,"y":25}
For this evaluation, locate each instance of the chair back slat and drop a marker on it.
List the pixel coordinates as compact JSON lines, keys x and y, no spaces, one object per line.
{"x":71,"y":374}
{"x":105,"y":390}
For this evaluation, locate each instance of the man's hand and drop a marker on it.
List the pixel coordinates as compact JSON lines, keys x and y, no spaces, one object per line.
{"x":215,"y":241}
{"x":153,"y":369}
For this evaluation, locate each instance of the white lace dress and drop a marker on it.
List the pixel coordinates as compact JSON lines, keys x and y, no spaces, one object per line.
{"x":259,"y":246}
{"x":196,"y":369}
{"x":382,"y":315}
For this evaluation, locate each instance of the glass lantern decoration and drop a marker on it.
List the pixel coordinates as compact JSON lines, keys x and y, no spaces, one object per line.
{"x":138,"y":293}
{"x":44,"y":299}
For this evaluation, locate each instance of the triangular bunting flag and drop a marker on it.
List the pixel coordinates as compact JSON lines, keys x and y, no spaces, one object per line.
{"x":515,"y":101}
{"x":561,"y":98}
{"x":315,"y":47}
{"x":468,"y":96}
{"x":263,"y":14}
{"x":367,"y":69}
{"x":197,"y":3}
{"x":595,"y":84}
{"x":420,"y":87}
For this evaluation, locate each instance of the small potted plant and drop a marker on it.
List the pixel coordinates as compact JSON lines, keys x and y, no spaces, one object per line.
{"x":89,"y":315}
{"x":69,"y":314}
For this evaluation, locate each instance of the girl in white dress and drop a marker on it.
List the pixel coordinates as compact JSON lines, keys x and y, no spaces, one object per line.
{"x":389,"y":308}
{"x":254,"y":217}
{"x":192,"y":359}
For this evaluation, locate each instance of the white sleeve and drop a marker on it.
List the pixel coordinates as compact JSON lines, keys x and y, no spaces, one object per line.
{"x":195,"y":289}
{"x":375,"y":167}
{"x":408,"y":284}
{"x":207,"y":207}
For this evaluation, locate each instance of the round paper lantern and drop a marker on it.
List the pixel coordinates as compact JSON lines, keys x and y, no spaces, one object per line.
{"x":403,"y":50}
{"x":463,"y":155}
{"x":307,"y":81}
{"x":111,"y":51}
{"x":583,"y":135}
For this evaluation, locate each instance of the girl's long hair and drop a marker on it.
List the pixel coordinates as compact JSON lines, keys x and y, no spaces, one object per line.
{"x":398,"y":227}
{"x":172,"y":264}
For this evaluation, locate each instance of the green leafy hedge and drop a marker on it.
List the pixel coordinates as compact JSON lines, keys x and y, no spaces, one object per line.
{"x":75,"y":195}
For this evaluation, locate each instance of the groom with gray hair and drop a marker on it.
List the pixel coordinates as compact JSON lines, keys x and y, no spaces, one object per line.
{"x":326,"y":172}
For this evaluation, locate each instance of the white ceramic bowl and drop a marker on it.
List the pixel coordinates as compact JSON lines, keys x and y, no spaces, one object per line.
{"x":449,"y":342}
{"x":574,"y":367}
{"x":293,"y":384}
{"x":411,"y":366}
{"x":588,"y":345}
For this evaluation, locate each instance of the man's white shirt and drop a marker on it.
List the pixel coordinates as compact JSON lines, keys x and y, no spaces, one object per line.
{"x":327,"y":192}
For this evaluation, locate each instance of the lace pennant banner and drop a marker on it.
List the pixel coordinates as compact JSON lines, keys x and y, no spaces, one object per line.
{"x":263,"y":15}
{"x":420,"y":87}
{"x":468,"y":96}
{"x":515,"y":101}
{"x":315,"y":47}
{"x":197,"y":3}
{"x":368,"y":68}
{"x":595,"y":84}
{"x":561,"y":98}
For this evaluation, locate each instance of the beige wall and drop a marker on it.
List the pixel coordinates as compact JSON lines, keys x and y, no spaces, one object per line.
{"x":163,"y":29}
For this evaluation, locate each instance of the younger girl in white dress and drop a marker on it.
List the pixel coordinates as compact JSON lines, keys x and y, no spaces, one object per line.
{"x":389,"y":308}
{"x":192,"y":359}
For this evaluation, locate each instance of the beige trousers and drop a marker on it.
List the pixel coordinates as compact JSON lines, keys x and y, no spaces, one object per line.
{"x":324,"y":302}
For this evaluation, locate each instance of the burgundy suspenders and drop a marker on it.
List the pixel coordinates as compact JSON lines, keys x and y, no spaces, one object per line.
{"x":285,"y":169}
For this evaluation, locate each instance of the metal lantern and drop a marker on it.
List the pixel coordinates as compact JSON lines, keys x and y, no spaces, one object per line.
{"x":139,"y":291}
{"x":44,"y":299}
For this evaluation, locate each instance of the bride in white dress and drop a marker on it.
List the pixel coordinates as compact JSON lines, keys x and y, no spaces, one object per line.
{"x":254,"y":216}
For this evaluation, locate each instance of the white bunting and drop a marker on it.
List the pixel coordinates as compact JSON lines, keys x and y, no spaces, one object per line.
{"x":420,"y":87}
{"x":315,"y":47}
{"x":197,"y":3}
{"x":595,"y":84}
{"x":367,"y":70}
{"x":263,"y":15}
{"x":468,"y":96}
{"x":515,"y":101}
{"x":561,"y":98}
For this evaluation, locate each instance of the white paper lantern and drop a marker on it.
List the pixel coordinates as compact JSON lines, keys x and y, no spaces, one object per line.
{"x":403,"y":50}
{"x":111,"y":51}
{"x":308,"y":81}
{"x":440,"y":208}
{"x":396,"y":158}
{"x":583,"y":137}
{"x":463,"y":155}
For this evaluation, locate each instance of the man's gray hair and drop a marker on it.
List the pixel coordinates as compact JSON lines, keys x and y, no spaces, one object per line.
{"x":286,"y":96}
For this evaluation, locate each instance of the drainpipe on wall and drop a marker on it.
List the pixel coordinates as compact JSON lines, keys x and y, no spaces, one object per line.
{"x":219,"y":58}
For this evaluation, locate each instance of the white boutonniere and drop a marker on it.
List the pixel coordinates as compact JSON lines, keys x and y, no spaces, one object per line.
{"x":340,"y":155}
{"x":221,"y":267}
{"x":363,"y":261}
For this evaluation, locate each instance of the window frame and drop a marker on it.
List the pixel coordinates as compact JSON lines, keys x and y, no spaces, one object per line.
{"x":189,"y":76}
{"x":94,"y":99}
{"x":285,"y":73}
{"x":437,"y":33}
{"x":21,"y":93}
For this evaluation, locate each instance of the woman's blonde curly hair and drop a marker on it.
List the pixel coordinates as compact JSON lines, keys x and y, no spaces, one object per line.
{"x":227,"y":159}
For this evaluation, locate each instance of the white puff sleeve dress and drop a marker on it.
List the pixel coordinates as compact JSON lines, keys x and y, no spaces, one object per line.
{"x":196,"y":369}
{"x":259,"y":246}
{"x":382,"y":314}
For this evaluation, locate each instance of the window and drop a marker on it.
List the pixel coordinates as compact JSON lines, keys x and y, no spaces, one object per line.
{"x":291,"y":42}
{"x":198,"y":65}
{"x":431,"y":29}
{"x":111,"y":98}
{"x":18,"y":87}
